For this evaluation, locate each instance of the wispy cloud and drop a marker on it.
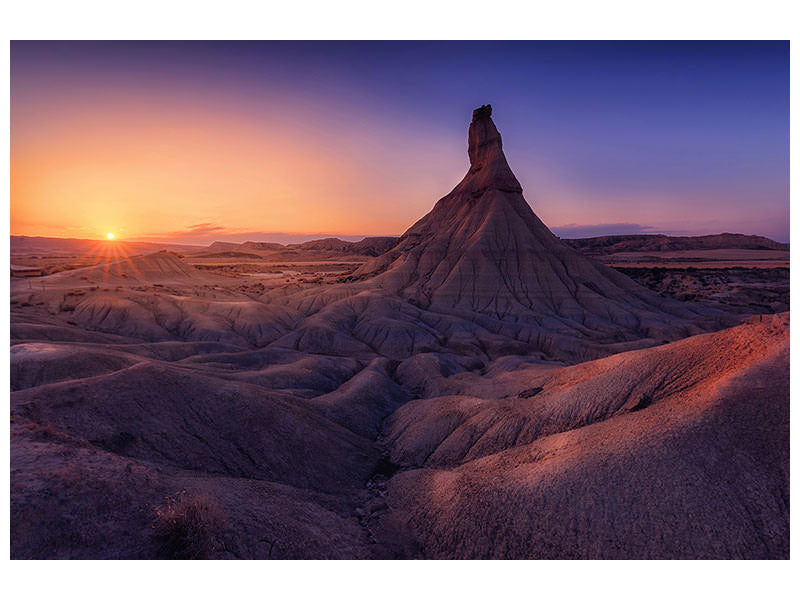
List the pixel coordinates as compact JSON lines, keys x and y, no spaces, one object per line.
{"x":194,"y":233}
{"x":574,"y":230}
{"x":200,"y":229}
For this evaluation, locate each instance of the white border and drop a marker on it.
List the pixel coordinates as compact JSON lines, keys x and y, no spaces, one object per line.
{"x":412,"y":19}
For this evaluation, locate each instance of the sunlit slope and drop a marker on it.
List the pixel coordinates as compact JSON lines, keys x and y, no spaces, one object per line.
{"x":673,"y":452}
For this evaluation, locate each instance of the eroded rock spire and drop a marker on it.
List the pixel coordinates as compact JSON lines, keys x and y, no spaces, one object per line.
{"x":488,"y":165}
{"x":482,"y":250}
{"x":484,"y":139}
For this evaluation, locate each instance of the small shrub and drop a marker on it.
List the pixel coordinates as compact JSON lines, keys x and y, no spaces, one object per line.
{"x":188,"y":527}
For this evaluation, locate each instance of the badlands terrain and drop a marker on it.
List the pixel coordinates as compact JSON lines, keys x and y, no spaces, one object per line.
{"x":476,"y":388}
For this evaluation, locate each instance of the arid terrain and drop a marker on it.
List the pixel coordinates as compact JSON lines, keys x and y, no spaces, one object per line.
{"x":475,"y":388}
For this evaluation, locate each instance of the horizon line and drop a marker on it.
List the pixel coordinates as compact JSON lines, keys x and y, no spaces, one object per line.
{"x":340,"y":236}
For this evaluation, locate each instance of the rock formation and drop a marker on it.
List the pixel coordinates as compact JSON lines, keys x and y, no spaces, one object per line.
{"x":483,"y":250}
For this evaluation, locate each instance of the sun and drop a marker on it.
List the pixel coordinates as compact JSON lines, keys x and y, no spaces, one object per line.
{"x":109,"y":236}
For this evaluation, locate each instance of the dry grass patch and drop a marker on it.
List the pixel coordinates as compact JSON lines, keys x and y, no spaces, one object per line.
{"x":188,"y":527}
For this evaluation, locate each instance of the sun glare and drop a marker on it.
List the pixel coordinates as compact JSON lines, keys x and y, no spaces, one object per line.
{"x":109,"y":236}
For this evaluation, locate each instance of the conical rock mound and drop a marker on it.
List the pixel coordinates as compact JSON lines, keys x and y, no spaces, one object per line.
{"x":483,"y":250}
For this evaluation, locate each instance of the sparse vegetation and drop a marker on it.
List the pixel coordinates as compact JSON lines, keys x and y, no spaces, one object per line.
{"x":188,"y":527}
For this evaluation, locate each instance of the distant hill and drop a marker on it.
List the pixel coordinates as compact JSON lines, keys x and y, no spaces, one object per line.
{"x":223,"y":246}
{"x":260,"y":246}
{"x":323,"y":248}
{"x":595,"y":246}
{"x":23,"y":244}
{"x":611,"y":244}
{"x":162,"y":267}
{"x":369,"y":246}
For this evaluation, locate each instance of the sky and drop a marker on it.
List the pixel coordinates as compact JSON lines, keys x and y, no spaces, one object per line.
{"x":192,"y":142}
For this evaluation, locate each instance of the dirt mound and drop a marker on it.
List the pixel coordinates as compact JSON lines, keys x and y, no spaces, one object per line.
{"x":160,"y":267}
{"x":34,"y":364}
{"x":179,"y":417}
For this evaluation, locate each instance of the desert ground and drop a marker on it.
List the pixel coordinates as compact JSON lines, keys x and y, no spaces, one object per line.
{"x":476,"y":388}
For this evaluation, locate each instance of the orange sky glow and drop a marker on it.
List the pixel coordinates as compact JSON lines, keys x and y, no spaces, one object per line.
{"x":157,"y":170}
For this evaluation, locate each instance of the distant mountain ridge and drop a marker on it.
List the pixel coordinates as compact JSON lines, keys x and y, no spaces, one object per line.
{"x":610,"y":244}
{"x":369,"y":246}
{"x":377,"y":245}
{"x":25,"y":244}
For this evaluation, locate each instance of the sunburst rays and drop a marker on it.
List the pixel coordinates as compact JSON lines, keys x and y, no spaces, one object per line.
{"x":114,"y":256}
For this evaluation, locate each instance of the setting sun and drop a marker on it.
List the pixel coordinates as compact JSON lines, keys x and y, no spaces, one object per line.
{"x":109,"y":236}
